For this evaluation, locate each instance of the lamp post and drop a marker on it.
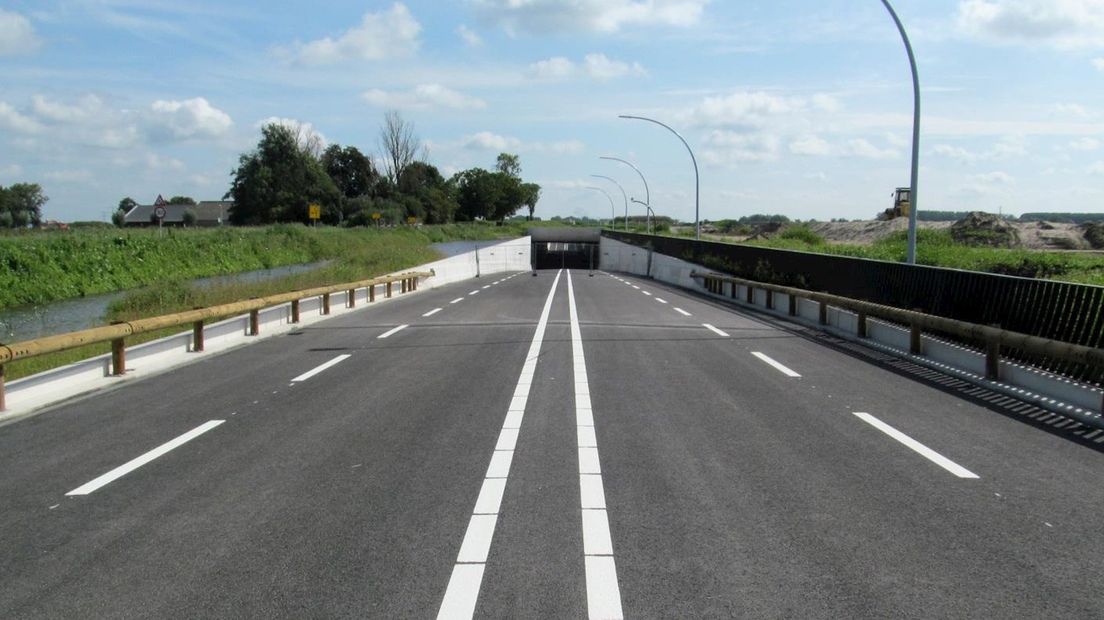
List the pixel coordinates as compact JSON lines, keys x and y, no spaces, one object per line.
{"x":613,"y":214}
{"x":650,"y":213}
{"x":915,"y":134}
{"x":623,"y":195}
{"x":697,"y":181}
{"x":647,"y":194}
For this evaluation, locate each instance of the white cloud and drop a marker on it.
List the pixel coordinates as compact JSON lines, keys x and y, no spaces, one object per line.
{"x":488,"y":141}
{"x":826,"y":103}
{"x":1085,"y":144}
{"x":379,"y":36}
{"x":307,"y":134}
{"x":594,"y":66}
{"x":424,"y":96}
{"x":543,"y":16}
{"x":1062,"y":23}
{"x":13,"y":120}
{"x":995,"y":178}
{"x":85,"y":108}
{"x":471,"y":39}
{"x":1098,"y":63}
{"x":10,"y":171}
{"x":956,"y":153}
{"x":1097,"y":168}
{"x":190,"y":118}
{"x":69,"y":176}
{"x":161,"y":163}
{"x":810,"y":145}
{"x":1071,"y":110}
{"x":729,"y":148}
{"x":17,"y":35}
{"x":859,"y":147}
{"x":747,"y":109}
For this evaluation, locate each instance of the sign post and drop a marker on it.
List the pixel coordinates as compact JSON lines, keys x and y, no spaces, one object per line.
{"x":315,"y":213}
{"x":159,"y":212}
{"x":376,"y":217}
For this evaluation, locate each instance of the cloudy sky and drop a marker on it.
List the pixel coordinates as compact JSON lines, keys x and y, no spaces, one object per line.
{"x":799,"y":107}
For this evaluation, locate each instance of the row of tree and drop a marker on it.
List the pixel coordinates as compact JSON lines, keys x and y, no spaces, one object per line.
{"x":289,"y":171}
{"x":21,"y":205}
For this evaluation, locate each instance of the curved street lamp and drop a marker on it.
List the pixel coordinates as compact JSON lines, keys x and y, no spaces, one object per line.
{"x":651,"y":213}
{"x":697,"y":181}
{"x":647,"y":194}
{"x":915,"y":134}
{"x":613,"y":214}
{"x":623,"y":195}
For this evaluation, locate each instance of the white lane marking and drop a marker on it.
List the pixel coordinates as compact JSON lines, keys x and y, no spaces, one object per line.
{"x":475,"y":292}
{"x":662,"y":301}
{"x":457,"y":300}
{"x":682,"y":312}
{"x":646,"y":293}
{"x":392,"y":332}
{"x":432,"y":312}
{"x":133,"y":464}
{"x":487,"y":287}
{"x":636,"y":287}
{"x":314,"y":371}
{"x":603,"y":591}
{"x":462,"y":592}
{"x":779,"y":367}
{"x":916,"y":446}
{"x":714,"y":330}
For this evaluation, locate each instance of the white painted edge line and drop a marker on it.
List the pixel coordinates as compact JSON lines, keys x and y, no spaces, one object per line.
{"x":603,"y":591}
{"x":682,"y":312}
{"x":392,"y":332}
{"x":131,"y":465}
{"x":662,"y":301}
{"x":462,"y":593}
{"x":916,"y":446}
{"x":432,"y":312}
{"x":457,"y":300}
{"x":314,"y":371}
{"x":779,"y":367}
{"x":715,"y":330}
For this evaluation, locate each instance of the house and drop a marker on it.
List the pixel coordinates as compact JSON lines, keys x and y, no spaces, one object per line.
{"x":207,"y":213}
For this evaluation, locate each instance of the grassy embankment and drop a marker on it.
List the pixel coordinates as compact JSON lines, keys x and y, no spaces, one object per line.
{"x":43,"y":267}
{"x":938,"y":249}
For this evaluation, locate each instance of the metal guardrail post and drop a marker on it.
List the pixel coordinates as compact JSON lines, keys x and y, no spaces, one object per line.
{"x":371,"y":293}
{"x":118,"y":357}
{"x":793,"y":304}
{"x":197,"y":336}
{"x":992,"y":357}
{"x":295,"y":311}
{"x":254,"y":322}
{"x":388,"y":289}
{"x":325,"y":303}
{"x":770,"y":299}
{"x":750,"y":294}
{"x":860,"y":329}
{"x":916,"y":345}
{"x":2,"y":406}
{"x":350,"y":302}
{"x":823,"y":313}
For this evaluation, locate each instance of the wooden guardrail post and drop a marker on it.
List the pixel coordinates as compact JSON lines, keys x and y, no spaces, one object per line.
{"x":295,"y":311}
{"x":860,"y":329}
{"x":2,"y":405}
{"x":325,"y":303}
{"x":389,"y":289}
{"x":992,"y":357}
{"x":351,"y":301}
{"x":254,"y":322}
{"x":197,"y":336}
{"x":371,"y":293}
{"x":118,"y":357}
{"x":414,"y":283}
{"x":402,"y":286}
{"x":823,"y":318}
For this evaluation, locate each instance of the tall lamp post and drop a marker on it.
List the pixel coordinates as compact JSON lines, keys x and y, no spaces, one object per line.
{"x":651,"y":213}
{"x":623,"y":195}
{"x":647,"y":194}
{"x":915,"y":134}
{"x":613,"y":214}
{"x":697,"y":181}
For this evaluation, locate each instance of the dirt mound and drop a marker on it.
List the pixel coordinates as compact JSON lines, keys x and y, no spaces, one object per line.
{"x":980,"y":228}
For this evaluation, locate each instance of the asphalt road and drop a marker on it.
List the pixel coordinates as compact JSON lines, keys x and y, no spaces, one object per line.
{"x":605,"y":446}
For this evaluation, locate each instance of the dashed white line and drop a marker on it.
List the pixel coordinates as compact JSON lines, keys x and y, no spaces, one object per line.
{"x":457,"y":300}
{"x":916,"y":446}
{"x":392,"y":332}
{"x":646,"y":293}
{"x":487,"y":287}
{"x":682,"y":312}
{"x":662,"y":301}
{"x":475,"y":292}
{"x":636,"y":287}
{"x":314,"y":371}
{"x":779,"y":367}
{"x":130,"y":466}
{"x":462,"y":593}
{"x":715,"y":330}
{"x":432,"y":312}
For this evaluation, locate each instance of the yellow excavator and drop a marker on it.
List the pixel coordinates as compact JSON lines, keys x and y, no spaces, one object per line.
{"x":901,"y":205}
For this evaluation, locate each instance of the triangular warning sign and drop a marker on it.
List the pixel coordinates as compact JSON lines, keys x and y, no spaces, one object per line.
{"x":160,"y":202}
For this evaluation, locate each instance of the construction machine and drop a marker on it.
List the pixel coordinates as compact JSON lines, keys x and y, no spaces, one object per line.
{"x":901,"y":205}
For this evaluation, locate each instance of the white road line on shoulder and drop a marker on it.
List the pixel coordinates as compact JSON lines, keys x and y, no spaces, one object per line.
{"x":392,"y":332}
{"x":603,"y":591}
{"x":682,"y":312}
{"x":314,"y":371}
{"x":432,"y":312}
{"x":715,"y":330}
{"x":916,"y":446}
{"x":462,"y":593}
{"x":457,"y":300}
{"x":157,"y":452}
{"x":779,"y":367}
{"x":662,"y":301}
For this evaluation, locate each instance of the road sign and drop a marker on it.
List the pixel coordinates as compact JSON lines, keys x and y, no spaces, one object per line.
{"x":376,"y":215}
{"x":315,"y":212}
{"x":160,"y":212}
{"x":411,"y":219}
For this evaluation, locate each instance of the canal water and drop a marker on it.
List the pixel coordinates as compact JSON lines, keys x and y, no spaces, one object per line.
{"x":24,"y":323}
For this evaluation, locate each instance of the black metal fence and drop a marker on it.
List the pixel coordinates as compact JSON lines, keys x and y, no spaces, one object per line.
{"x":1055,"y":310}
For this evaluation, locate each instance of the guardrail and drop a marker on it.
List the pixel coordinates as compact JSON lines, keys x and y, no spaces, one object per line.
{"x":117,"y":333}
{"x":991,"y":338}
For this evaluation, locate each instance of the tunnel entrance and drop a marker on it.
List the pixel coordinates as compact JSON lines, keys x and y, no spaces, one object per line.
{"x":565,"y":248}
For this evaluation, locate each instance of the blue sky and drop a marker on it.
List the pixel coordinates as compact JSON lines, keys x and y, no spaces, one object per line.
{"x":791,"y":106}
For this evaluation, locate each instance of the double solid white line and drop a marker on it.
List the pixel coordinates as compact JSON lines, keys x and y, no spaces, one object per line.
{"x":462,"y":592}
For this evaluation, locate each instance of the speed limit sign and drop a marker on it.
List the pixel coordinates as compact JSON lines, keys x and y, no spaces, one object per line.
{"x":160,"y":212}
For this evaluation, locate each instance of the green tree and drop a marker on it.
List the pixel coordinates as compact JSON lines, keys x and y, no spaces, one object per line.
{"x":189,"y":217}
{"x":126,"y":204}
{"x":419,"y":177}
{"x":118,"y":218}
{"x":182,"y":200}
{"x":352,"y":172}
{"x":25,"y":202}
{"x":530,"y":193}
{"x":477,"y":192}
{"x":279,"y":179}
{"x":508,"y":164}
